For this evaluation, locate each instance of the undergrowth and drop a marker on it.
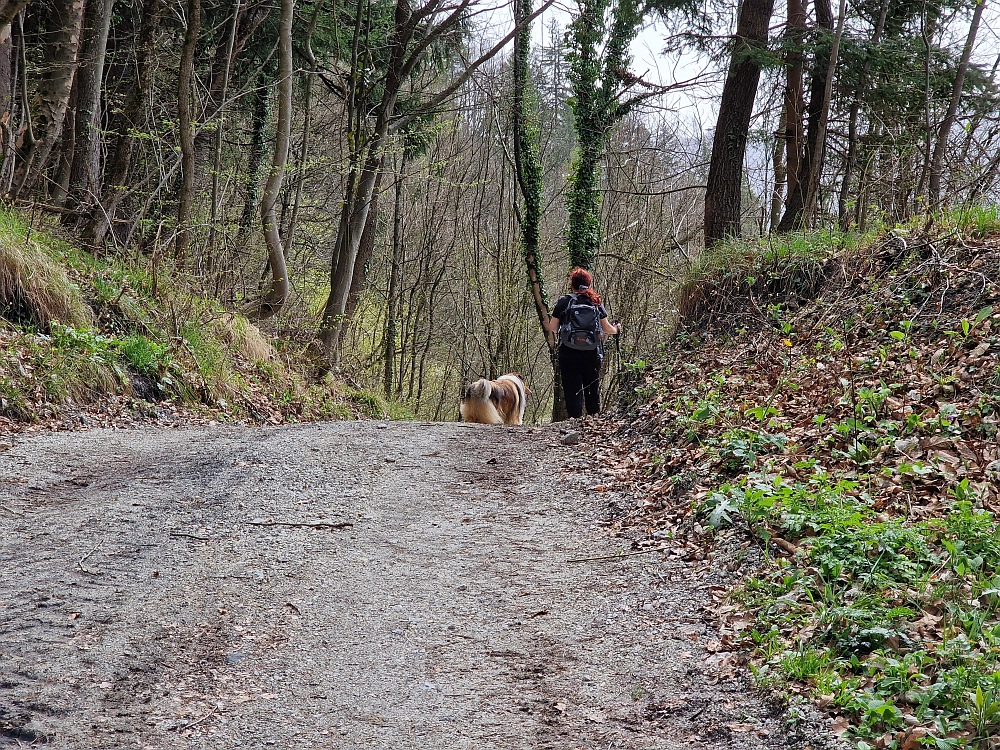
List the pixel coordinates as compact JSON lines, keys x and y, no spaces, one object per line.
{"x":847,"y":424}
{"x":80,"y":330}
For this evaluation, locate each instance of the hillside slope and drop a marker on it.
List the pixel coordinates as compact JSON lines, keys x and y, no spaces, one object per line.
{"x":825,"y":420}
{"x":111,"y":340}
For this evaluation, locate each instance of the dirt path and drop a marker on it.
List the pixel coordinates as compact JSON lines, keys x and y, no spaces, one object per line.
{"x":151,"y":598}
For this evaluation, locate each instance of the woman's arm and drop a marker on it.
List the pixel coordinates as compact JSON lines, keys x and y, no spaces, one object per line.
{"x":552,"y":324}
{"x":612,"y":329}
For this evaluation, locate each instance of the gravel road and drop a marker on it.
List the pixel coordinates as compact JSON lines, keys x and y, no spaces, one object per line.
{"x":343,"y":585}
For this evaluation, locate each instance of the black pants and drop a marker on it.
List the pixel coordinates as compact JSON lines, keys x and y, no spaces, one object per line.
{"x":581,"y":376}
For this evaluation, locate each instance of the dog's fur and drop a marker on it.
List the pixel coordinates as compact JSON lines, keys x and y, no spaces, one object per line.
{"x":500,"y":401}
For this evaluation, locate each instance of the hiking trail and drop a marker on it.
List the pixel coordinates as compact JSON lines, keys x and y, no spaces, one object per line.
{"x":346,"y":585}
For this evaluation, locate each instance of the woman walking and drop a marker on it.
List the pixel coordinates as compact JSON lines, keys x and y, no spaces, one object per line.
{"x":582,"y":323}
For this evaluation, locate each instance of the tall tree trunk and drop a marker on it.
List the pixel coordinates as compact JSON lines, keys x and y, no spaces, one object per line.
{"x":85,"y":174}
{"x":780,"y":170}
{"x":928,"y":27}
{"x":851,"y":161}
{"x":937,"y":163}
{"x":529,"y":174}
{"x":794,"y":96}
{"x":306,"y":124}
{"x":275,"y":297}
{"x":62,"y":162}
{"x":797,"y":205}
{"x":723,"y":197}
{"x":52,"y":96}
{"x":365,"y":251}
{"x":131,"y":121}
{"x":220,"y":128}
{"x":185,"y":127}
{"x":395,"y":281}
{"x":8,"y":89}
{"x":260,"y":112}
{"x":819,"y":144}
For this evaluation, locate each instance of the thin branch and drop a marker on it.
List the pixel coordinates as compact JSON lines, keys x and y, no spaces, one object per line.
{"x":431,"y":105}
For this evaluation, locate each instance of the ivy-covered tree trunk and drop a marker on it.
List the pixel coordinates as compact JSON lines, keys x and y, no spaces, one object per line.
{"x":528,"y":170}
{"x":723,"y":198}
{"x":590,"y":122}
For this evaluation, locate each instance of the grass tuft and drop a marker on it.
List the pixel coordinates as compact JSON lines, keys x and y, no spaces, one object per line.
{"x":34,"y":288}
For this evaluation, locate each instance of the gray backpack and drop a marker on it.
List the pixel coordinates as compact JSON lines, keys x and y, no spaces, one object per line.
{"x":581,"y":326}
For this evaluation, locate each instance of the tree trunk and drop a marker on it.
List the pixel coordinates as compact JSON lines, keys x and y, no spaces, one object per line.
{"x":275,"y":297}
{"x":797,"y":205}
{"x":816,"y":170}
{"x":937,"y":163}
{"x":52,"y":96}
{"x":8,"y":12}
{"x":185,"y":127}
{"x":306,"y":124}
{"x":8,"y":89}
{"x":723,"y":198}
{"x":780,"y":170}
{"x":85,"y":174}
{"x":260,"y":105}
{"x":365,"y":251}
{"x":794,"y":96}
{"x":62,"y":164}
{"x":530,"y":182}
{"x":131,"y":121}
{"x":395,"y":281}
{"x":851,"y":161}
{"x":220,"y":127}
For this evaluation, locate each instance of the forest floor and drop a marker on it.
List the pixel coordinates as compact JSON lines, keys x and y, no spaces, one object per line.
{"x":349,"y":585}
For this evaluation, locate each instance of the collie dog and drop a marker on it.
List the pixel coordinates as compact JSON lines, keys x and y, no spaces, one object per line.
{"x":500,"y":401}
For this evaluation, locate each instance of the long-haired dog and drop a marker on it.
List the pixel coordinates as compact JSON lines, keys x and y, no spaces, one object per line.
{"x":500,"y":401}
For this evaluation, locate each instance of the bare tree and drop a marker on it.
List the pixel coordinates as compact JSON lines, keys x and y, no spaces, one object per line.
{"x":937,"y":161}
{"x":185,"y":126}
{"x":276,"y":295}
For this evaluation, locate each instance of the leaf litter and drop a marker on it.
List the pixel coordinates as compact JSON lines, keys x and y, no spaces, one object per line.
{"x":838,"y":451}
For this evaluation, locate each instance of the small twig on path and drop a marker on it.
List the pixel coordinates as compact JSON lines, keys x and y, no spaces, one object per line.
{"x":484,"y":472}
{"x":615,"y":557}
{"x":324,"y":525}
{"x":84,"y":559}
{"x":11,"y":511}
{"x":698,"y":713}
{"x":191,"y":536}
{"x":193,"y":723}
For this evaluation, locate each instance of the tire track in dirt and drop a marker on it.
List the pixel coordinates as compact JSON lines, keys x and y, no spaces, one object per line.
{"x":147,"y":603}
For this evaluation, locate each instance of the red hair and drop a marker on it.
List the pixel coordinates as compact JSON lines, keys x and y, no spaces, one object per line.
{"x":580,"y":277}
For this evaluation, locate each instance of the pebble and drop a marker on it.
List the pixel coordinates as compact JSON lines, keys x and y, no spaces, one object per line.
{"x":234,"y":658}
{"x":571,"y":438}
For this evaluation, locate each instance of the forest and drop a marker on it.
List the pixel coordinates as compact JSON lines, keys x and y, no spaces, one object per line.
{"x":273,"y":211}
{"x":396,"y":190}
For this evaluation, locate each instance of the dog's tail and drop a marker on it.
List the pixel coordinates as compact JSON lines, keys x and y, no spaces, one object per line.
{"x":477,"y":406}
{"x":514,"y":398}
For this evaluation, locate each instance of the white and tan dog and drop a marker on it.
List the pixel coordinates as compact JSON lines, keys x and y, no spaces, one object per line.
{"x":500,"y":401}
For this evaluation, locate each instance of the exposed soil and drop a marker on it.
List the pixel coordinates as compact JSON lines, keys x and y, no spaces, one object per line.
{"x":154,"y":596}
